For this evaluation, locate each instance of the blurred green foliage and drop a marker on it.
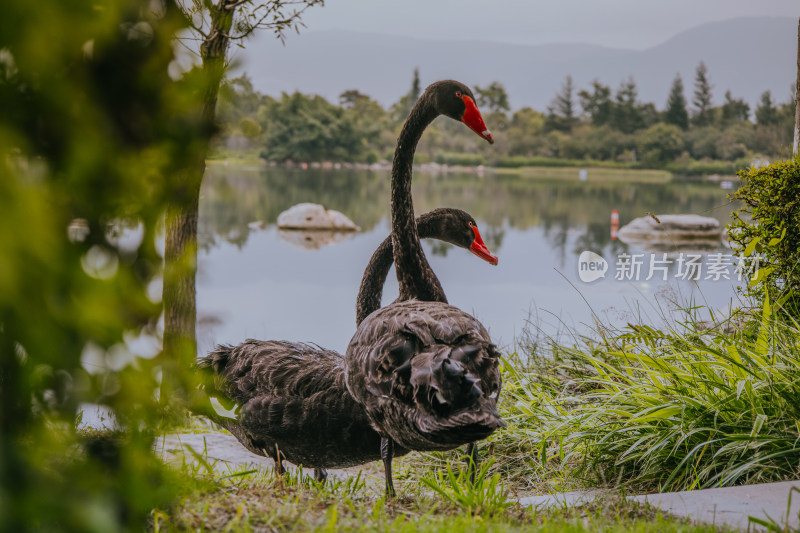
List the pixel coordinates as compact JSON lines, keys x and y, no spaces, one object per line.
{"x":766,"y":231}
{"x":93,"y":129}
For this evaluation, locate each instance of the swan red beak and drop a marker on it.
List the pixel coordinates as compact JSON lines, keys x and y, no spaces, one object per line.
{"x":478,"y":247}
{"x":473,"y":119}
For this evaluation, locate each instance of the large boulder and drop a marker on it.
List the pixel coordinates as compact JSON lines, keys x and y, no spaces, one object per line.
{"x":308,"y":216}
{"x":672,"y":233}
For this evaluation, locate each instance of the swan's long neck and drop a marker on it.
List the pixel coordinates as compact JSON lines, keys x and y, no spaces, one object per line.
{"x":371,"y":289}
{"x":414,"y":274}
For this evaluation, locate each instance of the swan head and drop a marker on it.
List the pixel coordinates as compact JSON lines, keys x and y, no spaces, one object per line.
{"x":454,"y":99}
{"x":456,"y":227}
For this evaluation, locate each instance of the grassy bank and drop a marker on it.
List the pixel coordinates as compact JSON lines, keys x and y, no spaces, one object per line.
{"x":636,"y":410}
{"x":658,"y":409}
{"x":244,"y":501}
{"x":593,"y":174}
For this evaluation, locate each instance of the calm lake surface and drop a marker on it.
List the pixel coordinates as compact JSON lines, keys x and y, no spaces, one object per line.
{"x":254,"y":283}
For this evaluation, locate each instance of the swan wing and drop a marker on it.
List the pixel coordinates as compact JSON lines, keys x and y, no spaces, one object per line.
{"x":428,"y":362}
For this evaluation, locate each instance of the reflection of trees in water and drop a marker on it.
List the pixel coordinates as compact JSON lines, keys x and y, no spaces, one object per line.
{"x":596,"y":237}
{"x":556,"y":232}
{"x":234,"y":197}
{"x":493,"y":237}
{"x":439,"y":248}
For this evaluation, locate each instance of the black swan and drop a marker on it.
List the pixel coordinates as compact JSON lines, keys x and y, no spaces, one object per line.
{"x":292,"y":400}
{"x":426,"y":373}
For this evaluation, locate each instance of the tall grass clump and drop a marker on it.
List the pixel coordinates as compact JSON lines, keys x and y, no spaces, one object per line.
{"x":669,"y":409}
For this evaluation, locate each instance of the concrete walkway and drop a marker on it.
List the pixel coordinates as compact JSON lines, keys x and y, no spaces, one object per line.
{"x":221,"y":450}
{"x":730,"y":506}
{"x":226,"y":455}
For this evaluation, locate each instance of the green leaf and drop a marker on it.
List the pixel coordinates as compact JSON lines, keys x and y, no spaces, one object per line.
{"x":751,"y":246}
{"x":758,"y":424}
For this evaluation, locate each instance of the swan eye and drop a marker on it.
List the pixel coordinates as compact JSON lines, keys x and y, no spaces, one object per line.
{"x":458,"y":94}
{"x":471,"y":225}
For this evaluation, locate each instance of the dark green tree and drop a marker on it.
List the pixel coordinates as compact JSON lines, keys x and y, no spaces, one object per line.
{"x":402,"y":107}
{"x":525,"y":131}
{"x":703,"y":114}
{"x":493,"y":98}
{"x":734,"y":109}
{"x":597,"y":104}
{"x":561,"y":112}
{"x":627,"y":115}
{"x":309,"y":128}
{"x":238,"y":105}
{"x":371,"y":124}
{"x":766,"y":112}
{"x":416,"y":88}
{"x":676,"y":113}
{"x":660,"y":143}
{"x":352,"y":98}
{"x":237,"y":99}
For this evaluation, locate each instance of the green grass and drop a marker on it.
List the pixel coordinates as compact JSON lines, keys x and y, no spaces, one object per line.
{"x":244,"y":501}
{"x":671,"y":409}
{"x":636,"y":410}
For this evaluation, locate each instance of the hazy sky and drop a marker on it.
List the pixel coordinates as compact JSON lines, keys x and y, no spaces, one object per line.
{"x":635,"y":24}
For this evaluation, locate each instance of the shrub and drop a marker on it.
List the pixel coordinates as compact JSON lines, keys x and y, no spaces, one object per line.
{"x":692,"y":167}
{"x":767,"y":231}
{"x":454,"y":158}
{"x":660,"y":143}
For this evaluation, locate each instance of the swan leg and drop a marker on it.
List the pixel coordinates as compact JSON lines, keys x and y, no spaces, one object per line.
{"x":387,"y":451}
{"x":320,"y":474}
{"x":279,"y":470}
{"x":472,"y":457}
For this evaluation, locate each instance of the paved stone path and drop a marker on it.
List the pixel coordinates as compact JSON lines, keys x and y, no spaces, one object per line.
{"x":226,"y":455}
{"x":730,"y":506}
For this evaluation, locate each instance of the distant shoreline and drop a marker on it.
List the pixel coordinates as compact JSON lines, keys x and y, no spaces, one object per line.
{"x":594,"y":174}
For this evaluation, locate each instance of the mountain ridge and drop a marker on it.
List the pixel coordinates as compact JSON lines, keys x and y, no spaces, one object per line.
{"x":744,"y":55}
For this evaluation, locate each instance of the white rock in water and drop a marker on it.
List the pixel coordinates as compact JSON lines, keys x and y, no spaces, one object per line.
{"x":674,"y":233}
{"x":308,"y":216}
{"x":676,"y":226}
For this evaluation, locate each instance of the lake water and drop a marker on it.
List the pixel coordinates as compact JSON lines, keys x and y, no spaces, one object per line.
{"x":253,"y":283}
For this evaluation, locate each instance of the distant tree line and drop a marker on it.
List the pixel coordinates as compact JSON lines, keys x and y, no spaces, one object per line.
{"x":594,"y":123}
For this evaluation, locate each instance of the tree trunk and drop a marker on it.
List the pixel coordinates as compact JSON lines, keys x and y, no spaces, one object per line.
{"x":796,"y":150}
{"x":180,"y":246}
{"x":179,"y":295}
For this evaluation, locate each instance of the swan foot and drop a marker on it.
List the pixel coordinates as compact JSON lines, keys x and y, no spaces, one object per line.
{"x":387,"y":451}
{"x":320,"y":474}
{"x":472,"y":457}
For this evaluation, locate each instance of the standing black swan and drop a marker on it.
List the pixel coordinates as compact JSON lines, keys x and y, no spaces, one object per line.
{"x":426,"y":373}
{"x":292,"y":400}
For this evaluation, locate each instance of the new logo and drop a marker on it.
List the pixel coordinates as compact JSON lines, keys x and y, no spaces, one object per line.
{"x":591,"y":266}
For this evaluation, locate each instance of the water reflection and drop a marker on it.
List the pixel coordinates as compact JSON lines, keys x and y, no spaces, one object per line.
{"x":313,"y":239}
{"x":260,"y":286}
